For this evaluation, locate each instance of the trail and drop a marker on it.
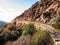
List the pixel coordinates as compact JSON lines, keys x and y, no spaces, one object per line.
{"x":53,"y":32}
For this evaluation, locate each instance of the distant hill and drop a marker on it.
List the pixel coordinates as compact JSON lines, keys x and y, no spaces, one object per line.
{"x":2,"y":23}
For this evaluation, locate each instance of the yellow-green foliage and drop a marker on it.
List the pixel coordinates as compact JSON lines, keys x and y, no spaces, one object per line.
{"x":38,"y":36}
{"x":28,"y":29}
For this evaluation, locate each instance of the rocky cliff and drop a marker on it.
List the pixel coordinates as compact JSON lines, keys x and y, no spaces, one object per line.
{"x":45,"y":11}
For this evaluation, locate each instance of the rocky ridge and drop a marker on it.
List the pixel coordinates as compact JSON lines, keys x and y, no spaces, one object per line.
{"x":47,"y":12}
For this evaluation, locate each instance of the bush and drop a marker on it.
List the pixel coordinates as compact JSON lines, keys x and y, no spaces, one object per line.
{"x":39,"y":34}
{"x":9,"y":32}
{"x":10,"y":27}
{"x":37,"y":37}
{"x":28,"y":29}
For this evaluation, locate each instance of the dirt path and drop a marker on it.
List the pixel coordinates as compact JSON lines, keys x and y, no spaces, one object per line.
{"x":37,"y":26}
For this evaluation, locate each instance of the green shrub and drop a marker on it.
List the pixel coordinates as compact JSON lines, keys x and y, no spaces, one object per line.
{"x":37,"y":37}
{"x":39,"y":34}
{"x":28,"y":29}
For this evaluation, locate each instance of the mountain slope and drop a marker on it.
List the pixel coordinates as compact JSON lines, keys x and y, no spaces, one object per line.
{"x":21,"y":32}
{"x":47,"y":12}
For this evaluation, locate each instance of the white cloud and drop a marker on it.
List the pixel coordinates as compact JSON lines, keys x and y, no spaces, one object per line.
{"x":9,"y":11}
{"x":8,"y":14}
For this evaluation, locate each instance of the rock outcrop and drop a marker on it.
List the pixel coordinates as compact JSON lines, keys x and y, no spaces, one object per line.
{"x":45,"y":11}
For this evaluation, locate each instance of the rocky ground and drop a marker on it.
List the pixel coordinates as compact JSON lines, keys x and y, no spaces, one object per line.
{"x":47,"y":12}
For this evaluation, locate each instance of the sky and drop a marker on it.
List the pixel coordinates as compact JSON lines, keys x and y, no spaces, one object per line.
{"x":10,"y":9}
